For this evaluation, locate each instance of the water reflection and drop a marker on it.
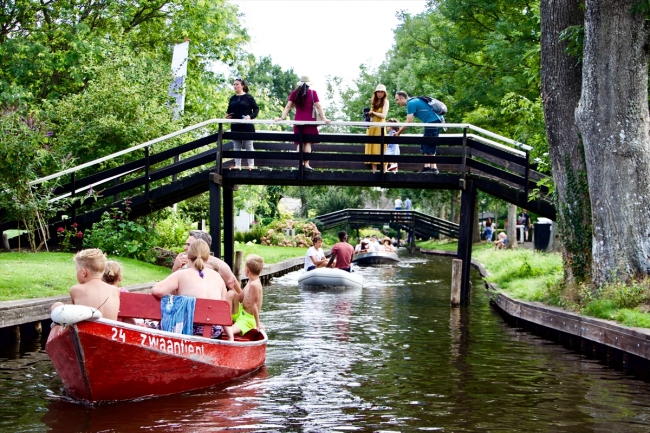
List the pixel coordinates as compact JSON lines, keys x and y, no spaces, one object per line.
{"x":211,"y":410}
{"x":390,"y":357}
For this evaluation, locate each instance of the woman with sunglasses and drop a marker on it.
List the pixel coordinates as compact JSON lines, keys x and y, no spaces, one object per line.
{"x":378,"y":112}
{"x":242,"y":106}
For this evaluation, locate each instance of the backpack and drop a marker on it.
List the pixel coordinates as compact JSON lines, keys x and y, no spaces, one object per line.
{"x":438,"y":106}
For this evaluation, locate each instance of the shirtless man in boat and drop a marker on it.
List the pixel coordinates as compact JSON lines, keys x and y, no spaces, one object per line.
{"x":250,"y":305}
{"x":91,"y":290}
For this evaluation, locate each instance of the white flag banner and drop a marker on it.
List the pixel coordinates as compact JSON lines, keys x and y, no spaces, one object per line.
{"x":179,"y":71}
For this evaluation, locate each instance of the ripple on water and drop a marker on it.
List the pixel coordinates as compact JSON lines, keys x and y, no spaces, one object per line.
{"x":392,"y":357}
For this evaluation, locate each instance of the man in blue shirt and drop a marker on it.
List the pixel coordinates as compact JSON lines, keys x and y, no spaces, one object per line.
{"x":416,"y":107}
{"x":407,"y":204}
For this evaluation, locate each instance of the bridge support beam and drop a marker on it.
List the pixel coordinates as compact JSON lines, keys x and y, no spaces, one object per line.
{"x":465,"y":235}
{"x":215,"y":213}
{"x":228,"y":227}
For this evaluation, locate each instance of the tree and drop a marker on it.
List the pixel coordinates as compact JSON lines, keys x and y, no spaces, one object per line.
{"x":561,"y":85}
{"x":264,"y":74}
{"x":612,"y":117}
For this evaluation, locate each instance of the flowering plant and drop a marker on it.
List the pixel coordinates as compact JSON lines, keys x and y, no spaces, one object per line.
{"x":69,"y":238}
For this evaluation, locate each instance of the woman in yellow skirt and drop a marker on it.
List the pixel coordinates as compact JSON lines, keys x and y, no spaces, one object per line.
{"x":378,"y":113}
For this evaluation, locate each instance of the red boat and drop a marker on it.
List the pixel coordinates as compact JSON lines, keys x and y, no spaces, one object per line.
{"x":107,"y":360}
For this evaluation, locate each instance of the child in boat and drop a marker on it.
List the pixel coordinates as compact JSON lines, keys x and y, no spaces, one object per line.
{"x":113,"y":274}
{"x":91,"y":290}
{"x":248,"y":316}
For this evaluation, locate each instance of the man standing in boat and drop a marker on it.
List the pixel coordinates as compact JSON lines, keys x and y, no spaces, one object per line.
{"x":342,"y":253}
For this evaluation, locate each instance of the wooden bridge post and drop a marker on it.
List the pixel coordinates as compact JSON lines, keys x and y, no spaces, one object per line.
{"x":228,"y":226}
{"x":465,"y":235}
{"x":215,"y":213}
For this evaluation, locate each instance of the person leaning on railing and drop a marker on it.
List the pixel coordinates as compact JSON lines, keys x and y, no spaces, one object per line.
{"x":304,"y":99}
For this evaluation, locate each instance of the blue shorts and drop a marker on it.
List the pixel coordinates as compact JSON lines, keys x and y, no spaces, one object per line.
{"x":430,"y":149}
{"x":311,"y":268}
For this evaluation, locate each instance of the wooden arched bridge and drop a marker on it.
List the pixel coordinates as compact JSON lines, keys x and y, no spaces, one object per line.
{"x":416,"y":224}
{"x":169,"y":169}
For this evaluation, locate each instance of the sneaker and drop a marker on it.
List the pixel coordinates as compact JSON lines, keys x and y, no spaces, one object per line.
{"x":434,"y":170}
{"x":308,"y":168}
{"x":425,"y":170}
{"x":392,"y":167}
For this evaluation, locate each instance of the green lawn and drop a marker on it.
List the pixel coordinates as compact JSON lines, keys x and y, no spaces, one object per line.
{"x":36,"y":275}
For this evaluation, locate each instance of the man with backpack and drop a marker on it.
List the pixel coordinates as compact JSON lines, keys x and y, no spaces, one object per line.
{"x":418,"y":107}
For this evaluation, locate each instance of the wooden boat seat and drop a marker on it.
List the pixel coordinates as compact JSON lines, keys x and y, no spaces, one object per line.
{"x":207,"y":312}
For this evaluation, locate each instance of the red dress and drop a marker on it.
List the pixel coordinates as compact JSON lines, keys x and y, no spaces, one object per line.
{"x":305,"y":113}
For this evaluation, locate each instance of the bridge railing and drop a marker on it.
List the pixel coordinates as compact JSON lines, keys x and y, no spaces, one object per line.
{"x":471,"y":151}
{"x":422,"y":223}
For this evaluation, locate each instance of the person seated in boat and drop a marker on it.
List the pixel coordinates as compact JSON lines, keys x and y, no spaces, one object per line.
{"x":387,"y":246}
{"x":364,"y":247}
{"x":91,"y":290}
{"x":374,"y":244}
{"x":248,"y":313}
{"x":229,"y":278}
{"x":196,"y":280}
{"x":315,"y":257}
{"x":113,"y":275}
{"x":342,"y":253}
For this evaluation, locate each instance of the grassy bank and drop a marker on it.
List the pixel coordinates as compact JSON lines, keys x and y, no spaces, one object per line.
{"x":532,"y":276}
{"x":36,"y":275}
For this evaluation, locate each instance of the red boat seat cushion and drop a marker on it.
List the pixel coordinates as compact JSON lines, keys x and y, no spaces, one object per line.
{"x":144,"y":306}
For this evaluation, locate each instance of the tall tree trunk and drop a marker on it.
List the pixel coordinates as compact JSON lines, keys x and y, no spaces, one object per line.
{"x":561,"y":86}
{"x":613,"y":119}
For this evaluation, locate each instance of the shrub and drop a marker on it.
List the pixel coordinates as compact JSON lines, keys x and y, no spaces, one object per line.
{"x":304,"y":232}
{"x":116,"y":235}
{"x":173,"y":230}
{"x":254,"y":235}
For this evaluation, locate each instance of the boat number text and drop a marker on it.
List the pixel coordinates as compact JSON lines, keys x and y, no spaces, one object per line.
{"x":119,"y":335}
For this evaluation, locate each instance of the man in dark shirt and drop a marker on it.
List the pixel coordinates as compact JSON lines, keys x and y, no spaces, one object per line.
{"x":342,"y":253}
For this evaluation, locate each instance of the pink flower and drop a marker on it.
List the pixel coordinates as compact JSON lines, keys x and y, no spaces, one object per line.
{"x":60,"y":230}
{"x":80,"y":235}
{"x":75,"y":225}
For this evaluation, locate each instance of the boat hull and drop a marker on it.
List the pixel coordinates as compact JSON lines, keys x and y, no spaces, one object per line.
{"x":375,"y":259}
{"x":331,"y":278}
{"x":106,"y":361}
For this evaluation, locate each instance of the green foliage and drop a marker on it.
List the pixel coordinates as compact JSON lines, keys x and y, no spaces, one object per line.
{"x":304,"y":232}
{"x":268,"y":206}
{"x":254,"y":235}
{"x":265,"y":77}
{"x":196,"y":208}
{"x":26,"y":155}
{"x":116,"y":235}
{"x":334,"y":199}
{"x":125,"y":104}
{"x":173,"y":230}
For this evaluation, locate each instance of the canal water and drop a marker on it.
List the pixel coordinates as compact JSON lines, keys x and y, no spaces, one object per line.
{"x":393,"y":357}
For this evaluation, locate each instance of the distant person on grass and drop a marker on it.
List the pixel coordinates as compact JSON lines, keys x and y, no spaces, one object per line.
{"x":342,"y":253}
{"x":417,"y":108}
{"x":91,"y":290}
{"x":250,"y":305}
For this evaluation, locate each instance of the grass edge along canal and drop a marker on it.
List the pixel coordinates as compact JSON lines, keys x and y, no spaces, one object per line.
{"x":27,"y":275}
